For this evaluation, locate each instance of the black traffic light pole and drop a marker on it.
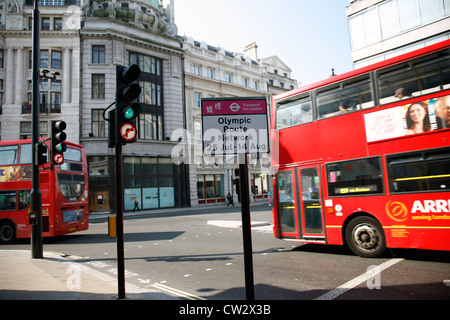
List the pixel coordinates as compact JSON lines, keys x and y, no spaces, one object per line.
{"x":119,"y":223}
{"x":123,"y":121}
{"x":37,"y":248}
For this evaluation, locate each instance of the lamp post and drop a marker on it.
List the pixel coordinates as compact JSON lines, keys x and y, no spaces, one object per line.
{"x":36,"y":195}
{"x":37,"y":250}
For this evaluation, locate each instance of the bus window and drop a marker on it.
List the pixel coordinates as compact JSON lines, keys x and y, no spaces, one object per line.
{"x":351,"y":95}
{"x":294,"y":113}
{"x":8,"y":200}
{"x":72,"y":185}
{"x":9,"y":155}
{"x":355,"y":177}
{"x":72,"y":154}
{"x":286,"y":201}
{"x":24,"y":199}
{"x":415,"y":78}
{"x":420,"y":171}
{"x":25,"y":154}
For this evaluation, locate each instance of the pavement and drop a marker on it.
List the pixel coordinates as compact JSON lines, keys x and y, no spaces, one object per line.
{"x":60,"y":277}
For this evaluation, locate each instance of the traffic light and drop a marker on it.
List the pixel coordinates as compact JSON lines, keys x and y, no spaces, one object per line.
{"x":127,"y":109}
{"x":57,"y":145}
{"x":42,"y":154}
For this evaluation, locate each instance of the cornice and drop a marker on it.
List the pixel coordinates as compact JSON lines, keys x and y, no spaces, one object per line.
{"x":113,"y":34}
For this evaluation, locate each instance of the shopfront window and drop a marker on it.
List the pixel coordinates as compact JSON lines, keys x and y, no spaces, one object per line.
{"x":150,"y":181}
{"x":211,"y":187}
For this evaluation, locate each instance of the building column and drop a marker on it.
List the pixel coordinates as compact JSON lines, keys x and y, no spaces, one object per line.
{"x":67,"y":87}
{"x":19,"y":97}
{"x":9,"y":85}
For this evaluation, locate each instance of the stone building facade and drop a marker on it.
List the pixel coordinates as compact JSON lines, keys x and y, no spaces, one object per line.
{"x":213,"y":72}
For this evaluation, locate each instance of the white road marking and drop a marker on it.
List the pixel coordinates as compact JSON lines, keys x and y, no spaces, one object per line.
{"x":176,"y":292}
{"x":330,"y":295}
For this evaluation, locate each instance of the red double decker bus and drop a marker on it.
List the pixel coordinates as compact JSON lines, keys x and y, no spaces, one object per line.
{"x":363,"y":158}
{"x":64,"y":188}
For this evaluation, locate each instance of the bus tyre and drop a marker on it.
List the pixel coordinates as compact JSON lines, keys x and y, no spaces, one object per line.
{"x":7,"y":232}
{"x":365,"y":237}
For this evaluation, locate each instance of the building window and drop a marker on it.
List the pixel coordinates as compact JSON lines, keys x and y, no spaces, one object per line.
{"x":148,"y":64}
{"x":98,"y":86}
{"x":49,"y":95}
{"x":45,"y":24}
{"x":98,"y":123}
{"x":198,"y":130}
{"x":150,"y":93}
{"x":57,"y":24}
{"x":149,"y":181}
{"x":98,"y":54}
{"x":210,"y":73}
{"x":44,"y":59}
{"x":52,"y":2}
{"x":1,"y":95}
{"x":229,"y":77}
{"x":245,"y":82}
{"x":151,"y":82}
{"x":259,"y":184}
{"x":210,"y":186}
{"x":56,"y":59}
{"x":198,"y":99}
{"x":393,"y":17}
{"x":150,"y":127}
{"x":43,"y":62}
{"x":2,"y":54}
{"x":25,"y":130}
{"x":197,"y":70}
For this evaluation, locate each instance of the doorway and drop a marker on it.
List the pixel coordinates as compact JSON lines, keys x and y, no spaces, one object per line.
{"x":300,"y":203}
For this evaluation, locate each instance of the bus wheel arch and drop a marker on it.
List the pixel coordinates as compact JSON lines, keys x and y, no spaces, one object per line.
{"x":7,"y":231}
{"x":364,"y":235}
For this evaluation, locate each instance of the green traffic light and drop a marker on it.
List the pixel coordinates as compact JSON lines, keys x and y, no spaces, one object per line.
{"x":61,"y":147}
{"x":129,"y":113}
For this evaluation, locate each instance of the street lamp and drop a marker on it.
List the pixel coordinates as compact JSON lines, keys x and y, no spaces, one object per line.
{"x":44,"y":75}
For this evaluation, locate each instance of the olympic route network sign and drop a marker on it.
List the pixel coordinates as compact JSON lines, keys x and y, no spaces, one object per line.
{"x":234,"y":126}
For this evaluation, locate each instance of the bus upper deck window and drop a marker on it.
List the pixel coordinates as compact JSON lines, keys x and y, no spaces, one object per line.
{"x":414,"y":78}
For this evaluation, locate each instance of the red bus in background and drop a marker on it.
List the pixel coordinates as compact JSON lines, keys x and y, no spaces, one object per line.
{"x":363,"y":158}
{"x":64,"y":188}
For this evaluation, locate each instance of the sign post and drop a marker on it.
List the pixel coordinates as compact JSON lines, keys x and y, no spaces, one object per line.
{"x":238,"y":126}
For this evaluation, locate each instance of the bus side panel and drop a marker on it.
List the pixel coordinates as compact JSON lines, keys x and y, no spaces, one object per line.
{"x":334,"y":235}
{"x":398,"y":237}
{"x":20,"y":220}
{"x":418,"y":221}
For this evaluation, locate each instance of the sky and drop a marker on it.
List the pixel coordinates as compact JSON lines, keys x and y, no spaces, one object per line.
{"x":309,"y":36}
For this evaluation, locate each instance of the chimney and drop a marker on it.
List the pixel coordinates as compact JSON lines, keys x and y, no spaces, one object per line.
{"x":251,"y":51}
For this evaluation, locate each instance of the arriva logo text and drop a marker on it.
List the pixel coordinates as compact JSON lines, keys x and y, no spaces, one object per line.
{"x":431,"y":206}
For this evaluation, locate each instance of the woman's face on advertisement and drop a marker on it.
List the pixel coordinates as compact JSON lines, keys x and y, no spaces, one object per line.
{"x":417,"y":113}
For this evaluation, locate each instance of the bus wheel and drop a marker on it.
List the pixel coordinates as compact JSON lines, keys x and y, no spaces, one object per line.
{"x":365,"y":237}
{"x":7,"y":232}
